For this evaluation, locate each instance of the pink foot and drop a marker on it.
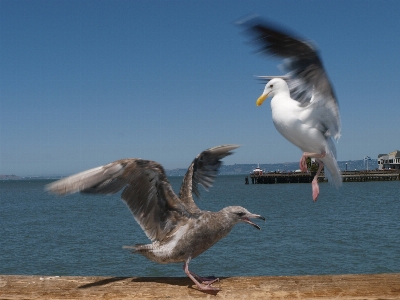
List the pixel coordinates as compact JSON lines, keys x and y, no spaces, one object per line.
{"x":205,"y":280}
{"x":203,"y":283}
{"x":315,"y":189}
{"x":208,"y":287}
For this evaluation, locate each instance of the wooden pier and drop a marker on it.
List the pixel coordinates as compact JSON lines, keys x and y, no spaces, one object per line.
{"x":372,"y":175}
{"x":327,"y":287}
{"x":347,"y":176}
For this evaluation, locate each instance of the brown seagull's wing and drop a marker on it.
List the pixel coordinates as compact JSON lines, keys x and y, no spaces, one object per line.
{"x":202,"y":170}
{"x":148,"y":193}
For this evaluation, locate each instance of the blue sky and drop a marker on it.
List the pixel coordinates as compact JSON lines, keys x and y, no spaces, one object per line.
{"x":84,"y":83}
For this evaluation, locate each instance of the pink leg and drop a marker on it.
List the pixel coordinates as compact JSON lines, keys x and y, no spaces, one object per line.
{"x":314,"y":184}
{"x":303,"y":159}
{"x":303,"y":164}
{"x":315,"y":189}
{"x":206,"y":282}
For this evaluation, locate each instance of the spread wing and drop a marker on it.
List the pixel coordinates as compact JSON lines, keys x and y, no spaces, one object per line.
{"x":203,"y":170}
{"x":147,"y":193}
{"x":307,"y":79}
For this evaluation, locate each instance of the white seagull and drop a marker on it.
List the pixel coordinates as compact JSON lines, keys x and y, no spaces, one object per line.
{"x":178,"y":229}
{"x":304,"y":107}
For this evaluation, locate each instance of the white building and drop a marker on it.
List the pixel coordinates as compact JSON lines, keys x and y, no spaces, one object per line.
{"x":389,"y":161}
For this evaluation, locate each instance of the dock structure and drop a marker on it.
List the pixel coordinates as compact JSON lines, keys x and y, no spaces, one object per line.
{"x":371,"y":175}
{"x":347,"y":176}
{"x":344,"y":287}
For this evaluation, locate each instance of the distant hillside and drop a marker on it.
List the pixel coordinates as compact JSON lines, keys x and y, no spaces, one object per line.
{"x":238,"y":169}
{"x":9,"y":177}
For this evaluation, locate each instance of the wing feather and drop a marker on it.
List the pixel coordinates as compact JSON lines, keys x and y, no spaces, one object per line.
{"x":147,"y":193}
{"x":202,"y":171}
{"x":152,"y":201}
{"x":96,"y":177}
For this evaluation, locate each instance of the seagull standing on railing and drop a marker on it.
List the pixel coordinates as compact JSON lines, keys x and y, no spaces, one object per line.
{"x":178,"y":229}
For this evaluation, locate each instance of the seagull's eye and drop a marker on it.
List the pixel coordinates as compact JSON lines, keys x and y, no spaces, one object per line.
{"x":240,"y":214}
{"x":271,"y":86}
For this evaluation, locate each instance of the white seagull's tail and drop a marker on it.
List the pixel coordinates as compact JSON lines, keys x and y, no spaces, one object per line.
{"x":332,"y":171}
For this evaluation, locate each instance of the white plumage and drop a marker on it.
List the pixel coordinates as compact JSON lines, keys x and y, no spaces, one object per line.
{"x":304,"y":107}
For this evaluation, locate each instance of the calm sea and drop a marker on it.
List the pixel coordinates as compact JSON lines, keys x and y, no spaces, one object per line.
{"x":355,"y":229}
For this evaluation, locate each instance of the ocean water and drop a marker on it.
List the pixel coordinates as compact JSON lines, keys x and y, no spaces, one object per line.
{"x":355,"y":229}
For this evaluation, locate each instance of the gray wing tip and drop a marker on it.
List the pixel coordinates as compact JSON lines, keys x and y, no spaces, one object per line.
{"x":96,"y":178}
{"x":205,"y":166}
{"x":221,"y":151}
{"x":224,"y":147}
{"x":57,"y":188}
{"x":257,"y":24}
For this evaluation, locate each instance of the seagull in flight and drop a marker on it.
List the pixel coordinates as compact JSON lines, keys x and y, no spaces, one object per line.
{"x":304,"y":106}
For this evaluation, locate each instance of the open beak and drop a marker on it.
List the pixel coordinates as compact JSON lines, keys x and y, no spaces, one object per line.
{"x":261,"y":99}
{"x":247,"y":220}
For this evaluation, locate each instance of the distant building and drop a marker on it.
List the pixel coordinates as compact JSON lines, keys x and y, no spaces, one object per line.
{"x":389,"y":161}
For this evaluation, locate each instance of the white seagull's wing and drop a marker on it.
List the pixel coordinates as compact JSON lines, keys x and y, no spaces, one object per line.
{"x":148,"y":193}
{"x":307,"y":79}
{"x":203,"y":170}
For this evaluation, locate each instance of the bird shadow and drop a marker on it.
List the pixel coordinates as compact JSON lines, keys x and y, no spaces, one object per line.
{"x":181,"y":281}
{"x":176,"y":281}
{"x":102,"y":282}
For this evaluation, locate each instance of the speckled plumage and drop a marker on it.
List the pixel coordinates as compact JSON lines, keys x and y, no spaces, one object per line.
{"x":178,"y":229}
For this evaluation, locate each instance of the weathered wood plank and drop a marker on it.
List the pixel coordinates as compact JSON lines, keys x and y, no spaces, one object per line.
{"x":379,"y":286}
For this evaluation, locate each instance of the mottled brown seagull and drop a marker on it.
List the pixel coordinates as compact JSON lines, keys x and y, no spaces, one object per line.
{"x":178,"y":229}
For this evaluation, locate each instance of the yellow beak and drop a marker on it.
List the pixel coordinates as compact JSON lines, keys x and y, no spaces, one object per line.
{"x":261,"y":99}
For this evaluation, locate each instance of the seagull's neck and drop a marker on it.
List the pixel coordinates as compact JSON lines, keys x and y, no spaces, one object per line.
{"x":225,"y":220}
{"x":282,"y":100}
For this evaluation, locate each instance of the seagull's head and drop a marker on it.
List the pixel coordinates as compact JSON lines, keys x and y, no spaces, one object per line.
{"x":240,"y":214}
{"x":273,"y":87}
